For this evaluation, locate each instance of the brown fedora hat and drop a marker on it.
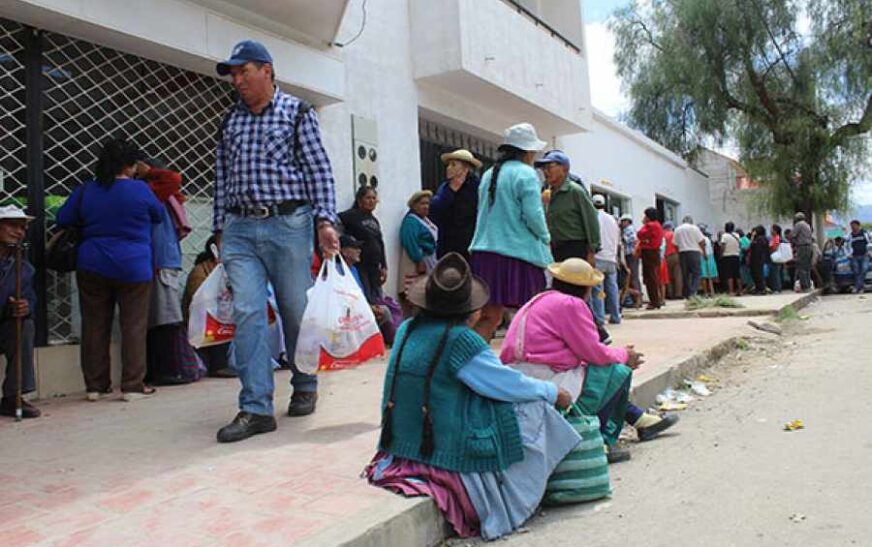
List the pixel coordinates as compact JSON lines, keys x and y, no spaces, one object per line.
{"x":450,"y":289}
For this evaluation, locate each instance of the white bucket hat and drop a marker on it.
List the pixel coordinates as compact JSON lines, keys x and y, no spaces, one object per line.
{"x":523,"y":136}
{"x":11,"y":212}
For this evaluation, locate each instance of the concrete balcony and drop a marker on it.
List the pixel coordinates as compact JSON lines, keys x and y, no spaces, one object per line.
{"x":497,"y":57}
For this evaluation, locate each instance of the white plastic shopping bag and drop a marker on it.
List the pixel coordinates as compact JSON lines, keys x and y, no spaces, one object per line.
{"x":338,"y":329}
{"x":211,"y":313}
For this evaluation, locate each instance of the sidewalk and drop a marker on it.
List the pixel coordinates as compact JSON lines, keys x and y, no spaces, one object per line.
{"x":151,"y":473}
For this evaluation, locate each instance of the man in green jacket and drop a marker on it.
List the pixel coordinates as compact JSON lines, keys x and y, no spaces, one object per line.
{"x":572,"y":218}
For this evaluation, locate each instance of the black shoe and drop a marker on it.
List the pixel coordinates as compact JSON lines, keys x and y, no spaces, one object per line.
{"x":302,"y":404}
{"x":225,"y":372}
{"x":244,"y":425}
{"x":7,"y":408}
{"x":648,"y":433}
{"x":604,"y":336}
{"x":614,"y":454}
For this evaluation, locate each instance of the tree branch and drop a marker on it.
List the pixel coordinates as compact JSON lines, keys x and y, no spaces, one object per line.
{"x":853,"y":129}
{"x":775,"y":42}
{"x":647,"y":31}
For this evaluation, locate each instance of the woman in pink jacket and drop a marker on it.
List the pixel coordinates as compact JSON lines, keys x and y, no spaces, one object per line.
{"x":554,"y":337}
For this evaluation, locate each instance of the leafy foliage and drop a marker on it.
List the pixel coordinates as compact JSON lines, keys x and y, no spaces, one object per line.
{"x":797,"y":100}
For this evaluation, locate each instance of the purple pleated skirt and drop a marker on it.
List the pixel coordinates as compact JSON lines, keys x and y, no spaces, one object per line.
{"x":512,"y":281}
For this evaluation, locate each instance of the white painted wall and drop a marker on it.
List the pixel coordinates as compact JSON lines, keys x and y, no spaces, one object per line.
{"x":636,"y":167}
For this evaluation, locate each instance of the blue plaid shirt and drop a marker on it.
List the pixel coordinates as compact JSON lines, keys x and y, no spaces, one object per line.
{"x":255,"y":163}
{"x":628,"y":237}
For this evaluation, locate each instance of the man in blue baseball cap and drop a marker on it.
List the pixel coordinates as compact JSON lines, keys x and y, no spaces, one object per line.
{"x":572,"y":219}
{"x":273,"y":180}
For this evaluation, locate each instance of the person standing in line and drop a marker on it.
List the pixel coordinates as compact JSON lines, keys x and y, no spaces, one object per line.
{"x":170,"y":359}
{"x":509,"y":249}
{"x":628,"y":242}
{"x":709,"y":270}
{"x":650,"y":238}
{"x":13,"y":229}
{"x":360,"y":222}
{"x":572,"y":218}
{"x":675,"y":287}
{"x":775,"y":268}
{"x":273,"y":179}
{"x":114,"y":266}
{"x":860,"y":241}
{"x":802,"y":238}
{"x":691,"y":252}
{"x":607,"y":263}
{"x":758,"y":257}
{"x":418,"y":240}
{"x":730,"y":249}
{"x":455,"y":205}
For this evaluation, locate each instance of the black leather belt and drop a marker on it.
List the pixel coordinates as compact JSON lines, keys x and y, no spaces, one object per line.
{"x":266,"y":211}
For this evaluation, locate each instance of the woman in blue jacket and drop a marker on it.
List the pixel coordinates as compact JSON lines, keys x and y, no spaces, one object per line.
{"x":114,"y":213}
{"x":418,"y":238}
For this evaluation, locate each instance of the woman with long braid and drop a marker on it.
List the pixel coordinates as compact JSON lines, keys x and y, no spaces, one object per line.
{"x":478,"y":437}
{"x":510,"y":248}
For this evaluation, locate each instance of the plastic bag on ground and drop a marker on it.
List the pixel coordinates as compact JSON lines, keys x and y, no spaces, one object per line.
{"x":338,"y":329}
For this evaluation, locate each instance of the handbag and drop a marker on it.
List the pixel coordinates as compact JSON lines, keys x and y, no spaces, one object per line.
{"x":583,"y":475}
{"x":62,"y":250}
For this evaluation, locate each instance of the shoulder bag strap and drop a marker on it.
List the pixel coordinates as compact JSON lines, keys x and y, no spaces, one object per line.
{"x":522,"y":327}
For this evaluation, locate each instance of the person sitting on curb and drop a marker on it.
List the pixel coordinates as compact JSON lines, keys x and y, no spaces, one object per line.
{"x":553,"y":337}
{"x":449,"y":427}
{"x":13,"y":228}
{"x":350,"y":248}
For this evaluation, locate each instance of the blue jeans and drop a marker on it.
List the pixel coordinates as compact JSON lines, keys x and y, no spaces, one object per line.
{"x":277,"y":249}
{"x":599,"y":306}
{"x":858,"y":266}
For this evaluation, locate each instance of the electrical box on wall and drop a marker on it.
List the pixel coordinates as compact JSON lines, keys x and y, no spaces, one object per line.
{"x":365,"y":139}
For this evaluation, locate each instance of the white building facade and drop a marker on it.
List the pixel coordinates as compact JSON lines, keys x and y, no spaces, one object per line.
{"x":395,"y":83}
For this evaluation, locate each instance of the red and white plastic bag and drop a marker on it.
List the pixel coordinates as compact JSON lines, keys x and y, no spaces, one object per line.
{"x":338,"y":329}
{"x":211,"y":312}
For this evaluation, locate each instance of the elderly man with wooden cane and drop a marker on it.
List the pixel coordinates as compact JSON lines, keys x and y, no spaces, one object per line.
{"x":16,"y":323}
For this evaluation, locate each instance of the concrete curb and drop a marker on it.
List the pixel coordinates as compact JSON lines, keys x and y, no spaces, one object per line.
{"x":421,"y":523}
{"x":722,"y":312}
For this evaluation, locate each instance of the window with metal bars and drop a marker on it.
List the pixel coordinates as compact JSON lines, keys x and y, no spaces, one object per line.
{"x":90,"y":93}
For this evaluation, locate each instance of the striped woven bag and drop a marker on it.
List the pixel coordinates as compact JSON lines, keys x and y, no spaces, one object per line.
{"x":583,"y":475}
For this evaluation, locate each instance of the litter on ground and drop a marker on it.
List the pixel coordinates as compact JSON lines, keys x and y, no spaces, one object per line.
{"x":794,"y":425}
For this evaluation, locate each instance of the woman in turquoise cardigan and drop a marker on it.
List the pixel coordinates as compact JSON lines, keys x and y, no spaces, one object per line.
{"x":418,"y":237}
{"x":510,"y":249}
{"x":478,"y":437}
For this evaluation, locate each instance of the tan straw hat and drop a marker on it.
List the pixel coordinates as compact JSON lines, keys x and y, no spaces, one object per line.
{"x":418,"y":196}
{"x":577,"y":272}
{"x":462,"y":155}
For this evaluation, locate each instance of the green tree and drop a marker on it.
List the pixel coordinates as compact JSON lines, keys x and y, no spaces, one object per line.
{"x":797,"y":101}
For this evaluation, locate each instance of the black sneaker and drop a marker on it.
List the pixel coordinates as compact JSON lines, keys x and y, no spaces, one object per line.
{"x":244,"y":425}
{"x":302,"y":404}
{"x":648,"y":433}
{"x":604,"y":336}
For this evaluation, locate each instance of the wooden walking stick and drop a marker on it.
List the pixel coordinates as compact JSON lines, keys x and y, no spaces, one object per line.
{"x":18,"y":340}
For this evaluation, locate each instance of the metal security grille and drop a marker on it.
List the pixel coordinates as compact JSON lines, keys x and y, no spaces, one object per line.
{"x":13,"y":165}
{"x":436,"y":140}
{"x":93,"y":93}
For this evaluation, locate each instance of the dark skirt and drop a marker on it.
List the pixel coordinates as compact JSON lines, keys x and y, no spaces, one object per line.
{"x":729,"y":268}
{"x":512,"y":282}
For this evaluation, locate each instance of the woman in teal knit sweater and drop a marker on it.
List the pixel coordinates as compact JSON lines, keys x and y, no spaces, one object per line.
{"x":511,"y":246}
{"x":478,"y":437}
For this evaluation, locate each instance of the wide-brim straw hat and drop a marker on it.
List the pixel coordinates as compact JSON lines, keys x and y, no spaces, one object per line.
{"x":450,"y":289}
{"x":462,"y":155}
{"x":576,"y":271}
{"x":418,"y":196}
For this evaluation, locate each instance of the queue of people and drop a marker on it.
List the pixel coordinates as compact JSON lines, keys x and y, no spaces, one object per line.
{"x":480,"y":432}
